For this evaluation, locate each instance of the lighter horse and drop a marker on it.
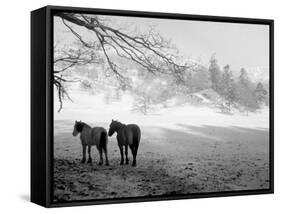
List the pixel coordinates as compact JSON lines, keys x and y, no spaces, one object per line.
{"x":89,"y":137}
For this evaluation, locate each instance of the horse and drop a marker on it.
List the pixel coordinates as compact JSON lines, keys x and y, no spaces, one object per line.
{"x":127,"y":135}
{"x":89,"y":137}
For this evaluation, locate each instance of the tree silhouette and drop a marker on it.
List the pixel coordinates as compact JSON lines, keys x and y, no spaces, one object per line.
{"x":226,"y":80}
{"x":246,"y":92}
{"x":215,"y":74}
{"x":228,"y":87}
{"x":260,"y":93}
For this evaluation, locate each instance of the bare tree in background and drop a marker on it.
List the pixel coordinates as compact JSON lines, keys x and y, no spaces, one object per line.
{"x":142,"y":103}
{"x":149,"y":50}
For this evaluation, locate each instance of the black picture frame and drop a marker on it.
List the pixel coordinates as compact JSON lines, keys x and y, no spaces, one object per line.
{"x":42,"y":103}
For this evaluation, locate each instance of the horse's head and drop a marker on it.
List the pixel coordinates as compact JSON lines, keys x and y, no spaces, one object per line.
{"x":113,"y":127}
{"x":78,"y":126}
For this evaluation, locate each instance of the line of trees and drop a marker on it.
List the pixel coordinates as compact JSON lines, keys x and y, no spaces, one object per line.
{"x":235,"y":92}
{"x":240,"y":91}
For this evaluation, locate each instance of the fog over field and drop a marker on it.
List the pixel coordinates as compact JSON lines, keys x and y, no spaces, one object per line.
{"x":203,"y":111}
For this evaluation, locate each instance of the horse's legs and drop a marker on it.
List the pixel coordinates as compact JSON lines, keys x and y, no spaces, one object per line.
{"x":122,"y":156}
{"x":134,"y":157}
{"x":134,"y":151}
{"x":83,"y":153}
{"x":126,"y":153}
{"x":106,"y":158}
{"x":101,"y":159}
{"x":89,"y":154}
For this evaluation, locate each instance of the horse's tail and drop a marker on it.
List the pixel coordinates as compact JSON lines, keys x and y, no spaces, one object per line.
{"x":136,"y":137}
{"x":103,"y":140}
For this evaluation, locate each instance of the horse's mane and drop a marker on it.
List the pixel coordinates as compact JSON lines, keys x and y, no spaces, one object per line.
{"x":80,"y":125}
{"x":118,"y":123}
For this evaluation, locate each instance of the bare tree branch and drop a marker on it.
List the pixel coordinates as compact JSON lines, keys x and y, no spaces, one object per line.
{"x":150,"y":50}
{"x":64,"y":60}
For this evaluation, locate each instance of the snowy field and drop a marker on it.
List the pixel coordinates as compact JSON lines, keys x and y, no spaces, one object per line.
{"x":184,"y":149}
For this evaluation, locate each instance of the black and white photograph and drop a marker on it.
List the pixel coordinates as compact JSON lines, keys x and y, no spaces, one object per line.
{"x":151,"y":107}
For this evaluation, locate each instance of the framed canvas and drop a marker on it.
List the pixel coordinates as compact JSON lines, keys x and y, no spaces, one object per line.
{"x":131,"y":106}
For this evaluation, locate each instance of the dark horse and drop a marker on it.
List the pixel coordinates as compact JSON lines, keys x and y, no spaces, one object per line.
{"x":127,"y":135}
{"x":89,"y":136}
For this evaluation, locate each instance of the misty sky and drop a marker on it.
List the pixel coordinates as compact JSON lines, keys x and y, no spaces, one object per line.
{"x":239,"y":45}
